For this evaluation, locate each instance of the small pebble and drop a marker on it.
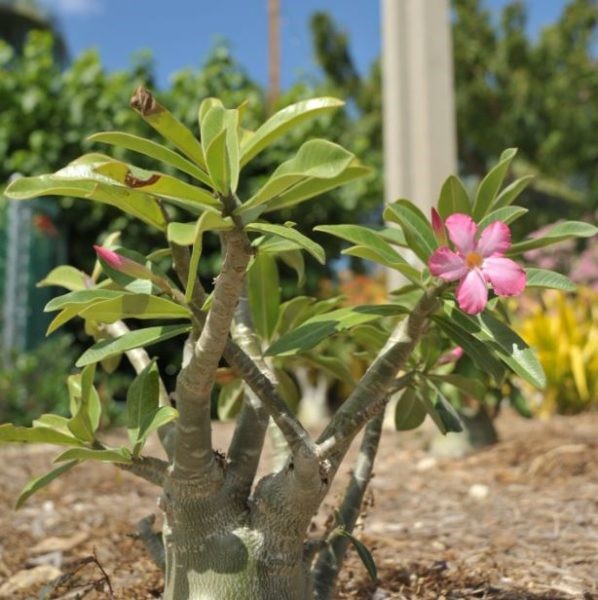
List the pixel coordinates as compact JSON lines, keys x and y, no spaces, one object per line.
{"x":479,"y":491}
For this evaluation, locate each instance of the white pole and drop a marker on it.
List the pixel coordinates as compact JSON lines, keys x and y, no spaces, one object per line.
{"x":418,"y":102}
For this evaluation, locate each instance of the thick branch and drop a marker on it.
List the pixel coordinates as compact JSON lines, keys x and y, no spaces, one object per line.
{"x":369,"y":396}
{"x":331,"y":557}
{"x":147,"y":467}
{"x":193,"y":448}
{"x":139,"y":359}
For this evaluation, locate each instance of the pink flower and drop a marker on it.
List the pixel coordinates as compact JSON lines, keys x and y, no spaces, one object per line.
{"x":438,"y":227}
{"x":451,"y":356}
{"x":478,"y":261}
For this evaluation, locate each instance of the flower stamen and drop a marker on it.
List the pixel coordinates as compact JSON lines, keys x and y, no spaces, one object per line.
{"x":474,"y":259}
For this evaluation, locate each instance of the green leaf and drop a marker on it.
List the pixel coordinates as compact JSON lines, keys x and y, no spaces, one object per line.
{"x":291,"y":234}
{"x":137,"y":306}
{"x":558,"y":233}
{"x":34,"y":485}
{"x":491,"y":184}
{"x":453,"y":198}
{"x":471,"y":387}
{"x":332,"y":365}
{"x":160,"y":184}
{"x":142,"y":402}
{"x":439,"y":408}
{"x":294,"y":259}
{"x":78,"y":180}
{"x":506,"y":214}
{"x":52,"y":421}
{"x":543,"y":278}
{"x":316,"y":159}
{"x":67,"y":277}
{"x":165,"y":123}
{"x":128,"y":341}
{"x":417,"y":229}
{"x":165,"y":414}
{"x":370,"y":336}
{"x":81,"y":298}
{"x":309,"y":188}
{"x":152,"y":150}
{"x":113,"y":455}
{"x":363,"y":553}
{"x":264,"y":294}
{"x":502,"y":341}
{"x":86,"y":408}
{"x":511,"y":192}
{"x":207,"y":222}
{"x":284,"y":120}
{"x":401,"y":265}
{"x":61,"y":318}
{"x":317,"y":328}
{"x":36,"y":435}
{"x":291,"y":313}
{"x":478,"y":351}
{"x":410,"y":413}
{"x":230,"y":399}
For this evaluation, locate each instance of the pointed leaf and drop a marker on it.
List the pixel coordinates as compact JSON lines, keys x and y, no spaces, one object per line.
{"x":558,"y":233}
{"x":363,"y":553}
{"x":34,"y":485}
{"x":506,"y":214}
{"x":453,"y":198}
{"x":128,"y":341}
{"x":152,"y":150}
{"x":114,"y":455}
{"x":491,"y":184}
{"x":142,"y":400}
{"x":284,"y":120}
{"x":264,"y":294}
{"x":290,"y":234}
{"x":164,"y":415}
{"x":543,"y":278}
{"x":512,"y":191}
{"x":67,"y":277}
{"x":416,"y":227}
{"x":410,"y":413}
{"x":138,"y":306}
{"x":165,"y":123}
{"x":35,"y":435}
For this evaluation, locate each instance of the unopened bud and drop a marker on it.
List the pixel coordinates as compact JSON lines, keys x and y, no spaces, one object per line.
{"x":438,"y":227}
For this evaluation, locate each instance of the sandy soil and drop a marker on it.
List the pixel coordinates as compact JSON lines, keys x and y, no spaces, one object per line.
{"x":516,"y":521}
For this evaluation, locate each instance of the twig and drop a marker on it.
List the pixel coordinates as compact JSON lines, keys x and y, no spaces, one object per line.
{"x":331,"y":557}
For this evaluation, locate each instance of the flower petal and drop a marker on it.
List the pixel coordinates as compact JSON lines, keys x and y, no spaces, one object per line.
{"x":495,"y":240}
{"x":447,"y":264}
{"x":506,"y":276}
{"x":462,"y":230}
{"x":472,"y":293}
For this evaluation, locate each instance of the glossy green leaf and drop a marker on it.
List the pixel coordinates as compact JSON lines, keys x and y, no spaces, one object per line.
{"x":315,"y":159}
{"x":363,"y":553}
{"x":206,"y":222}
{"x":416,"y":227}
{"x":506,"y":214}
{"x":410,"y":413}
{"x":370,"y":336}
{"x":152,"y":150}
{"x":159,"y":184}
{"x":85,"y":405}
{"x":287,"y":389}
{"x":439,"y":408}
{"x":80,"y":181}
{"x":294,"y":259}
{"x":331,"y":365}
{"x":34,"y":485}
{"x":36,"y":435}
{"x":81,"y":299}
{"x":309,"y":188}
{"x":401,"y":265}
{"x":478,"y":351}
{"x":138,"y":306}
{"x":559,"y":232}
{"x":470,"y":387}
{"x":128,"y":341}
{"x":292,"y":312}
{"x":284,"y":120}
{"x":230,"y":399}
{"x":263,"y":290}
{"x":162,"y":416}
{"x":67,"y":277}
{"x":52,"y":421}
{"x":64,"y":316}
{"x":543,"y":278}
{"x":502,"y":341}
{"x":165,"y":123}
{"x":453,"y":198}
{"x":316,"y":329}
{"x":491,"y":184}
{"x":142,"y":402}
{"x":290,"y":234}
{"x":511,"y":192}
{"x":113,"y":455}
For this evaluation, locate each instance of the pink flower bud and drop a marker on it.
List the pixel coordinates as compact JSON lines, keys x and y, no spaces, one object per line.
{"x":438,"y":227}
{"x":123,"y":264}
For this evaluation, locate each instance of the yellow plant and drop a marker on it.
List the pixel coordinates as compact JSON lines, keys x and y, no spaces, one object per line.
{"x":563,"y":329}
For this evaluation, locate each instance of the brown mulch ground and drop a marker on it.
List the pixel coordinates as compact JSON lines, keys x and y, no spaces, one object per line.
{"x":518,"y":521}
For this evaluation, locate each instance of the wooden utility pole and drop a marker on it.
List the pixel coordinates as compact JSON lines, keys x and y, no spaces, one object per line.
{"x":273,"y":53}
{"x":420,"y":148}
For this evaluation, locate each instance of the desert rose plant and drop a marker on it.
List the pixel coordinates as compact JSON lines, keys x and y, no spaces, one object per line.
{"x":227,"y":536}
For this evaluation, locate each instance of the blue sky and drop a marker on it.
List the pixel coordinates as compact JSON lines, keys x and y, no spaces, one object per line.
{"x":181,"y":32}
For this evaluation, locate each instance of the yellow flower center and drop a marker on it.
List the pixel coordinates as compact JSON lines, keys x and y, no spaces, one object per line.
{"x":473,"y":259}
